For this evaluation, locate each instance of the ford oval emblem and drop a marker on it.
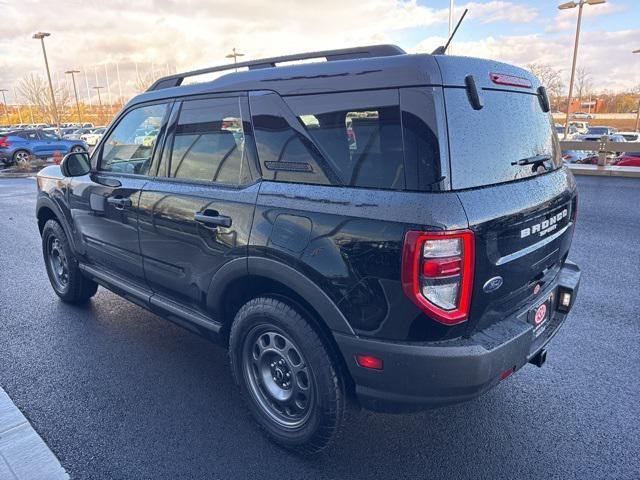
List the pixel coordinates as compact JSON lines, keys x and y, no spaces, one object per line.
{"x":492,"y":284}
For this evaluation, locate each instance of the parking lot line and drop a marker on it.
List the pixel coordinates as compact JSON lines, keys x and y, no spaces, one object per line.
{"x":23,"y":454}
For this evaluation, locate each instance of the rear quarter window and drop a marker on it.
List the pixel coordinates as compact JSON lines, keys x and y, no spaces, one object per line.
{"x":359,"y":133}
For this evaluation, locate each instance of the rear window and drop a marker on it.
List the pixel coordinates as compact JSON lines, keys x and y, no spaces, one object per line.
{"x":487,"y":145}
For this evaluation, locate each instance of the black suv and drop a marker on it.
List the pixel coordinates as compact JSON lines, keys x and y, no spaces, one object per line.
{"x":379,"y":229}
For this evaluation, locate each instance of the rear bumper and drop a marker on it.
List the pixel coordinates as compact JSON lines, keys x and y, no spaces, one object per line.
{"x":427,"y":375}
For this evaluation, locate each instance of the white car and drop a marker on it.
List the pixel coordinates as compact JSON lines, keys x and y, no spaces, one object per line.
{"x":582,"y":127}
{"x":93,"y":137}
{"x":571,"y":134}
{"x":582,"y":115}
{"x":630,"y":136}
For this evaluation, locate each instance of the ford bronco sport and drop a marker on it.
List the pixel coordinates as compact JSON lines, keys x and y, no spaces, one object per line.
{"x":383,"y":229}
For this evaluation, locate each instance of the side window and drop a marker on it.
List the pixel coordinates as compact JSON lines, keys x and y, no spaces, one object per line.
{"x":48,"y":136}
{"x":286,"y":153}
{"x":209,"y":142}
{"x":129,"y":147}
{"x":29,"y":135}
{"x":421,"y":139}
{"x":359,"y":133}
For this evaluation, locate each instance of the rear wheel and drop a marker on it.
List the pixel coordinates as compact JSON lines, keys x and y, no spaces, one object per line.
{"x":62,"y":267}
{"x":287,"y":375}
{"x":77,"y":149}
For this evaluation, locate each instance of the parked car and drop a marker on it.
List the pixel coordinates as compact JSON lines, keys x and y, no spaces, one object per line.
{"x":390,"y":272}
{"x":630,"y":136}
{"x":596,"y":138}
{"x":21,"y":144}
{"x":628,"y":159}
{"x":575,"y":156}
{"x":584,"y":115}
{"x":572,"y":132}
{"x":582,"y":127}
{"x":93,"y":136}
{"x":600,"y":130}
{"x":76,"y":134}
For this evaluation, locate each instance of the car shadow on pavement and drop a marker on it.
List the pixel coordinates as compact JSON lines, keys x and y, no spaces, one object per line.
{"x":166,"y":393}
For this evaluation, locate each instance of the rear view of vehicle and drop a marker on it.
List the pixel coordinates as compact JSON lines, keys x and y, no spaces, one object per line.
{"x":502,"y":286}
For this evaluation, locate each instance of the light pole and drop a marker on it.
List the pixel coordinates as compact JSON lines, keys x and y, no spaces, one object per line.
{"x":4,"y":102}
{"x":41,"y":36}
{"x":18,"y":106}
{"x":98,"y":88}
{"x":75,"y":90}
{"x":235,"y":56}
{"x":566,"y":6}
{"x":638,"y":110}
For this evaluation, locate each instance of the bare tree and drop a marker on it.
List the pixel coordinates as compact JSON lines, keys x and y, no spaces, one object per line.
{"x":583,"y":82}
{"x":35,"y":91}
{"x":551,"y":78}
{"x":144,"y":81}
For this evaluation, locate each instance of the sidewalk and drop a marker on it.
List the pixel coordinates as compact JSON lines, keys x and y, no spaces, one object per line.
{"x":23,"y":454}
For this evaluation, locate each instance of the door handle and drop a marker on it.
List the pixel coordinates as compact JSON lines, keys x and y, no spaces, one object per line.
{"x":119,"y":202}
{"x":212,"y":218}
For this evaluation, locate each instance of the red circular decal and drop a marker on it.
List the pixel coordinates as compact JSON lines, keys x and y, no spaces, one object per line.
{"x":541,"y":313}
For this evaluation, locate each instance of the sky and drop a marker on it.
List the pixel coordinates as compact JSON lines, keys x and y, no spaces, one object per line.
{"x":112,"y":39}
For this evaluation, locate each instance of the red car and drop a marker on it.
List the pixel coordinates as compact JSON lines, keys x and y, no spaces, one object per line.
{"x":629,"y":159}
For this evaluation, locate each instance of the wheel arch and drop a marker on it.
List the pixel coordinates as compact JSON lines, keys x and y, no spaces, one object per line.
{"x":21,"y":149}
{"x":46,"y":210}
{"x":245,"y":276}
{"x":242,"y":279}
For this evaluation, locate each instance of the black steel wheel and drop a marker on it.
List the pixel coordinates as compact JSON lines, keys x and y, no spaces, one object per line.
{"x":287,"y":374}
{"x":62,"y":267}
{"x":278,"y":376}
{"x":57,"y":263}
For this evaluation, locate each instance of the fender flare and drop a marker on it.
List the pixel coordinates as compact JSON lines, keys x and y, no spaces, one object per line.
{"x":28,"y":150}
{"x":46,"y":202}
{"x":284,"y":274}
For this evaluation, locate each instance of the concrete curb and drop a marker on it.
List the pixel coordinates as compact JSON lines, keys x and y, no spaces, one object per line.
{"x":18,"y":175}
{"x":23,"y":454}
{"x":607,"y":171}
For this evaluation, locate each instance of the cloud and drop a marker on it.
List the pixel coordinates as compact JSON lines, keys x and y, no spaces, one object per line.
{"x":498,"y":11}
{"x":167,"y":35}
{"x":565,"y":20}
{"x":609,"y":66}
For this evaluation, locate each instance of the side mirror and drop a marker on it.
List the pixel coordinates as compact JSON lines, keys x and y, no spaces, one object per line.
{"x":75,"y":164}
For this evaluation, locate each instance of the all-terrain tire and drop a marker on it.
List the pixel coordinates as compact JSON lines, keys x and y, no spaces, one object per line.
{"x":272,"y":321}
{"x":62,"y":267}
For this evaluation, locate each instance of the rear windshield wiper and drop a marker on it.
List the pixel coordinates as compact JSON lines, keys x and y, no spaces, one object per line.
{"x":532,"y":160}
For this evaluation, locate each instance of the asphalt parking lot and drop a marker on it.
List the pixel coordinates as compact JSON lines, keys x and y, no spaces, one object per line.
{"x":117,"y":392}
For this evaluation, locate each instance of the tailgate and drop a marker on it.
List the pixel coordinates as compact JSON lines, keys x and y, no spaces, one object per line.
{"x":523,"y":233}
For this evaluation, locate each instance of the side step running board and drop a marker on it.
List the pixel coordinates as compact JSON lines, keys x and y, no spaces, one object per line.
{"x":148,"y":299}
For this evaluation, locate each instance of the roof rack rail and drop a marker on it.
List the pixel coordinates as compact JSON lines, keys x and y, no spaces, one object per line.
{"x":330,"y":55}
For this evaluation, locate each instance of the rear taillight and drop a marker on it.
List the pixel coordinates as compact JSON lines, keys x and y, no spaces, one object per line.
{"x":437,"y":273}
{"x":4,"y":142}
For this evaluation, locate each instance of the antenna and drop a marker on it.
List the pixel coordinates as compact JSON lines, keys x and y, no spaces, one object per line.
{"x":442,"y":50}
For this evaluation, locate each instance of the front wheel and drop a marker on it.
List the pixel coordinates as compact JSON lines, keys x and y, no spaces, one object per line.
{"x":20,"y":156}
{"x":287,"y":375}
{"x":78,"y":149}
{"x":62,"y":267}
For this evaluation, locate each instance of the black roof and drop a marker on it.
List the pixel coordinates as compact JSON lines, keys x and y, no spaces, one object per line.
{"x":373,"y":67}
